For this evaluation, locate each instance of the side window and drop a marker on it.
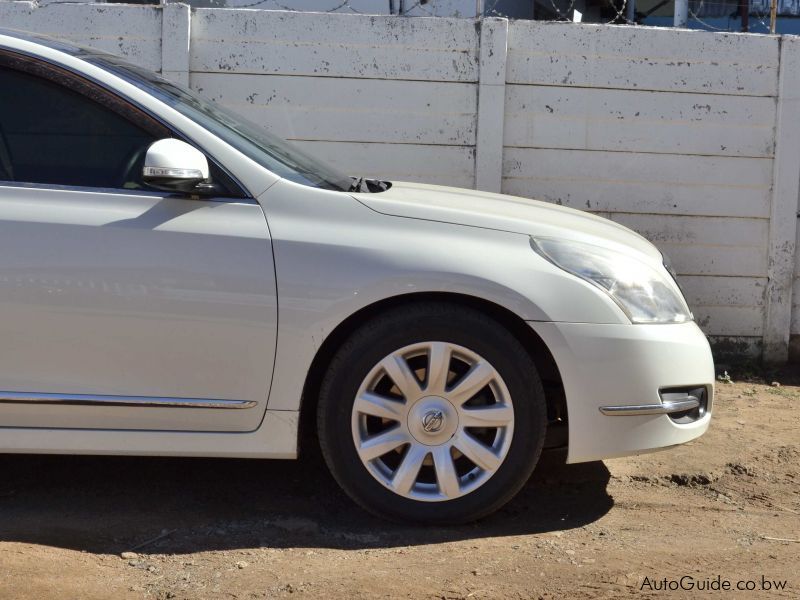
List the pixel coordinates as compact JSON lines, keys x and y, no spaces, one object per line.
{"x":53,"y":135}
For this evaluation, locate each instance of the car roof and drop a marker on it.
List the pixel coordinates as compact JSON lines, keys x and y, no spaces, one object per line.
{"x":47,"y":41}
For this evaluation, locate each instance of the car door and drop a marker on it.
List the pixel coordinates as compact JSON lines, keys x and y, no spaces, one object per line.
{"x":121,"y":307}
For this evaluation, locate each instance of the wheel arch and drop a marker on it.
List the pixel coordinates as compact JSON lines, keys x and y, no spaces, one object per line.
{"x":537,"y":349}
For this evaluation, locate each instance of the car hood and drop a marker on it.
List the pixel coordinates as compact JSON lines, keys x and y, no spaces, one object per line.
{"x":505,"y":213}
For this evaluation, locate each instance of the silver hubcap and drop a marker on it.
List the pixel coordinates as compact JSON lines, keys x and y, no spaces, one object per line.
{"x":433,"y":421}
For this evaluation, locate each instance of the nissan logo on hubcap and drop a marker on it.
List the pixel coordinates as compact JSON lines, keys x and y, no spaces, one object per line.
{"x":433,"y":421}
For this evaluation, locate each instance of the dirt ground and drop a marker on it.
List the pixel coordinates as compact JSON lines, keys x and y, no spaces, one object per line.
{"x":718,"y":507}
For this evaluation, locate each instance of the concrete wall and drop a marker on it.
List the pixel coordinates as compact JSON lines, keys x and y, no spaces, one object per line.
{"x":411,"y":8}
{"x":387,"y":95}
{"x":690,"y":138}
{"x":132,"y":32}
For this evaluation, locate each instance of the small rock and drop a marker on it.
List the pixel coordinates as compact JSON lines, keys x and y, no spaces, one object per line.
{"x":129,"y":555}
{"x":241,"y":564}
{"x":296,"y":524}
{"x":570,"y":552}
{"x":151,"y":569}
{"x":775,"y":384}
{"x":739,"y":469}
{"x":685,"y":479}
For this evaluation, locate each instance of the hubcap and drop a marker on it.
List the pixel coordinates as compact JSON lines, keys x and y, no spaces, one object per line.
{"x":432,"y":421}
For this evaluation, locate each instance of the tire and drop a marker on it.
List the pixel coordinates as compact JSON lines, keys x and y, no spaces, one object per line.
{"x":436,"y":469}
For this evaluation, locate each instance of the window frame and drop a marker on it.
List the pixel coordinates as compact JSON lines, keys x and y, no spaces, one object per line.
{"x":125,"y":108}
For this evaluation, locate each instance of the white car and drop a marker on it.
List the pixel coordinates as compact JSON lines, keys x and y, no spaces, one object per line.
{"x":176,"y":281}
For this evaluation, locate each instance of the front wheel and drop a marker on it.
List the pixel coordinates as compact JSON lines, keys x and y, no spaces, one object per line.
{"x":432,"y":413}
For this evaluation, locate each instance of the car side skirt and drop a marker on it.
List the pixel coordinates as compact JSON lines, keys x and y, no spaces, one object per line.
{"x":276,"y":438}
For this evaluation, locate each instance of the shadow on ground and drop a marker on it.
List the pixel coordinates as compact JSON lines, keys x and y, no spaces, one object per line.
{"x":113,"y":504}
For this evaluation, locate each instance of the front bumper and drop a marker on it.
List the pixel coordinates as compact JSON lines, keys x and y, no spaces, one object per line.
{"x":617,"y":366}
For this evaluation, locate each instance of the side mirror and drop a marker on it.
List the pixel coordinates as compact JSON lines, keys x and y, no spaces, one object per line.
{"x":174,"y":166}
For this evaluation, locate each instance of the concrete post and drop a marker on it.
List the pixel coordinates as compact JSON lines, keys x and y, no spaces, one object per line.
{"x":176,"y":22}
{"x":491,"y":104}
{"x":630,"y":11}
{"x":681,"y":13}
{"x":784,"y":206}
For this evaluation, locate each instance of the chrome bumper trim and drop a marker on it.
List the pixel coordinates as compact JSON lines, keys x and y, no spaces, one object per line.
{"x":664,"y":408}
{"x":139,"y":401}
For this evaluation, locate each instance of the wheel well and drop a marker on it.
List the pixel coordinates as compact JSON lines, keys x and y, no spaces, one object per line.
{"x":546,"y":365}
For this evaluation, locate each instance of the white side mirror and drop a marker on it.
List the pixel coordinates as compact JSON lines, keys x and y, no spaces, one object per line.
{"x":174,"y":165}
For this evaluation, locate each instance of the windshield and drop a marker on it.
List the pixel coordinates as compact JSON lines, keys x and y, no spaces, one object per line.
{"x":270,"y":151}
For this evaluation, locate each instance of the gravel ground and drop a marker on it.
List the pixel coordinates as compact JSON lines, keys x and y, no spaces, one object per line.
{"x":726,"y":506}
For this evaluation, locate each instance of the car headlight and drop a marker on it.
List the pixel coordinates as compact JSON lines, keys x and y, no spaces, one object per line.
{"x":646,"y":294}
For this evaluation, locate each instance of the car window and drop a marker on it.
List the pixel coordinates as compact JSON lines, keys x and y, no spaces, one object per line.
{"x":279,"y":156}
{"x":50,"y":134}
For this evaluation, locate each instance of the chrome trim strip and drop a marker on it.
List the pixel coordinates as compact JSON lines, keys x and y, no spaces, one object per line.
{"x":139,"y":401}
{"x":664,"y":408}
